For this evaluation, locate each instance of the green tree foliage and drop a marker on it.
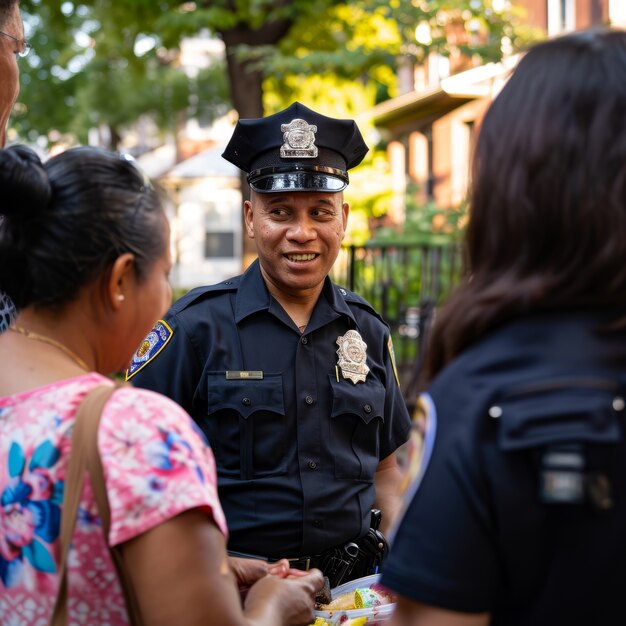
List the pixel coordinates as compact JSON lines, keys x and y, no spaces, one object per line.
{"x":365,"y":40}
{"x":249,"y":29}
{"x":99,"y":63}
{"x":102,"y":65}
{"x":477,"y":29}
{"x":345,"y":61}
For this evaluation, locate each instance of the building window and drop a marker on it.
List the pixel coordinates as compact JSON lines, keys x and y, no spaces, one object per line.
{"x":219,"y":240}
{"x":617,"y":13}
{"x":219,"y":245}
{"x":561,"y":16}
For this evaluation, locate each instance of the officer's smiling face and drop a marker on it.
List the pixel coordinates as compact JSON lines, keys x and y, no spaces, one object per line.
{"x":298,"y":236}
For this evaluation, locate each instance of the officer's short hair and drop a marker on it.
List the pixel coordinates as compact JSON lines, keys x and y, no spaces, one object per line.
{"x":296,"y":149}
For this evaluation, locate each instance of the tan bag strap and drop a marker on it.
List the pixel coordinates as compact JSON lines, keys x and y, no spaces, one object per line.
{"x":84,"y":456}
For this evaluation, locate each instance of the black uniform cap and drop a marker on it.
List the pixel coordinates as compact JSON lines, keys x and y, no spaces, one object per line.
{"x":296,"y":149}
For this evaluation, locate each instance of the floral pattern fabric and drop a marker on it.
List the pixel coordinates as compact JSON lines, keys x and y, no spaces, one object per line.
{"x":156,"y":465}
{"x":7,"y":312}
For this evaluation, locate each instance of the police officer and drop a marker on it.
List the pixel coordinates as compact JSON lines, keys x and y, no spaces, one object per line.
{"x":517,"y":507}
{"x":291,"y":378}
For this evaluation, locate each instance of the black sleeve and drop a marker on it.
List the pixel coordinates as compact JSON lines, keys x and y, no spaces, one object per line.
{"x":443,"y":552}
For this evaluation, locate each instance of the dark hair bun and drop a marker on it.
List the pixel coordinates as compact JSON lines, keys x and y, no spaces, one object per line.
{"x":24,"y":185}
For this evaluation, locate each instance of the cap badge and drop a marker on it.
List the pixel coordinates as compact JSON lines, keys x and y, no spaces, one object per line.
{"x":352,"y":356}
{"x":298,"y":140}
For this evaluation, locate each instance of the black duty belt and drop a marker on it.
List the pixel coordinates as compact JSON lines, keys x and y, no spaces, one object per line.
{"x":354,"y":559}
{"x":305,"y":562}
{"x":337,"y":564}
{"x":349,"y":561}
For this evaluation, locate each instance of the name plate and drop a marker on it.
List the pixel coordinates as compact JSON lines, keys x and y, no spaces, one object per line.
{"x":245,"y":375}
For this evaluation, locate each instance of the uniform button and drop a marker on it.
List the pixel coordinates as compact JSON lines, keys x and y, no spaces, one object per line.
{"x":309,"y":400}
{"x":317,"y":523}
{"x":305,"y":340}
{"x":312,"y":464}
{"x":246,"y":401}
{"x":367,"y":408}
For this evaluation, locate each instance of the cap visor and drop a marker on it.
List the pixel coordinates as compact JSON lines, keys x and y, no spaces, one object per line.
{"x":298,"y":181}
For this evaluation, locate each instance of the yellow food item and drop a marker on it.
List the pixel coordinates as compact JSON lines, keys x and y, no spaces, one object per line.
{"x":320,"y":621}
{"x":355,"y":621}
{"x":341,"y":603}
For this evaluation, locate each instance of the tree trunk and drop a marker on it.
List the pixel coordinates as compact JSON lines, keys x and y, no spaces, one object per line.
{"x":114,"y":138}
{"x":246,"y":84}
{"x":246,"y":89}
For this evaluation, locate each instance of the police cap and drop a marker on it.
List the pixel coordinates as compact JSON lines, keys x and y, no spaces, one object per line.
{"x":296,"y":149}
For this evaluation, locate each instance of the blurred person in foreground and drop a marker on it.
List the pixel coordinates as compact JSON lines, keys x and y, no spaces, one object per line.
{"x":517,"y":507}
{"x":290,"y":376}
{"x":12,"y":46}
{"x":84,"y":253}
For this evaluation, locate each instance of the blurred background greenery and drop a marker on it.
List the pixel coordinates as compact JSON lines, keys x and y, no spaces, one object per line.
{"x":101,"y":72}
{"x":122,"y":75}
{"x":102,"y":63}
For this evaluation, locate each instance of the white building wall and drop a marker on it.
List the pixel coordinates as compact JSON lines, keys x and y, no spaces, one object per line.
{"x":617,"y":12}
{"x":206,"y":205}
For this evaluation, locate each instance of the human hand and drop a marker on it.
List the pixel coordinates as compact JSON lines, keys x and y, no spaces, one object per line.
{"x":248,"y":571}
{"x":282,"y":570}
{"x":291,"y":598}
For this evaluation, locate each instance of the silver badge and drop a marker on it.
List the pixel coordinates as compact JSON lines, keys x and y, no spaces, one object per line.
{"x":352,"y":356}
{"x":299,"y":140}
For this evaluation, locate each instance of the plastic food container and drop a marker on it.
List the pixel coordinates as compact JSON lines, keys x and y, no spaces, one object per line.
{"x":373,"y":616}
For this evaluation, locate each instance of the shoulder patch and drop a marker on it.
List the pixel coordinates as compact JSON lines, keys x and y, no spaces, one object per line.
{"x":155,"y":341}
{"x":418,"y":451}
{"x":392,"y":356}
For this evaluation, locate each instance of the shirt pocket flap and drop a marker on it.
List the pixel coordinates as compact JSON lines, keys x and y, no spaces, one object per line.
{"x":367,"y":400}
{"x":245,"y":396}
{"x":566,"y":414}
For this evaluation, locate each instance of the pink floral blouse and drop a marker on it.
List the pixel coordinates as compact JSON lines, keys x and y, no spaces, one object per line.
{"x":156,"y":465}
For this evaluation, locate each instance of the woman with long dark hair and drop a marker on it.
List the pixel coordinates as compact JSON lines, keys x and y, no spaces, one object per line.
{"x":516,"y":510}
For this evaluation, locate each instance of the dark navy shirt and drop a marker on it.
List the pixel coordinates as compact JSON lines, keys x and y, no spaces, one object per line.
{"x":296,"y":444}
{"x":519,"y":508}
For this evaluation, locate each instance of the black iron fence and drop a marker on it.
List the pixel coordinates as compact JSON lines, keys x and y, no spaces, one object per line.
{"x":404,"y":282}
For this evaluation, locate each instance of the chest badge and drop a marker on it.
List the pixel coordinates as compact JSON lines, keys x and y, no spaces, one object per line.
{"x":352,"y":354}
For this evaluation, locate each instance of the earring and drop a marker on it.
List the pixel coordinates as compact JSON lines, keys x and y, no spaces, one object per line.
{"x":120,"y":297}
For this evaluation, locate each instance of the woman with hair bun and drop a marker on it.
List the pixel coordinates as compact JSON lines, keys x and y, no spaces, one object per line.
{"x":84,"y":254}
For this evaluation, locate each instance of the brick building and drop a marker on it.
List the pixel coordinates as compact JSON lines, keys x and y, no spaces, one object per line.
{"x":430,"y":126}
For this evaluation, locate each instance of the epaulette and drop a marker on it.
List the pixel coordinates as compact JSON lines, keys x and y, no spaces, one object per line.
{"x":231,"y":284}
{"x":354,"y":298}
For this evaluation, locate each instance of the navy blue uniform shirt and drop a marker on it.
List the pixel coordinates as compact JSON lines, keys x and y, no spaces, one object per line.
{"x":296,"y":444}
{"x":521,"y":505}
